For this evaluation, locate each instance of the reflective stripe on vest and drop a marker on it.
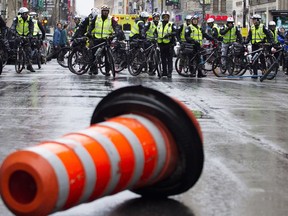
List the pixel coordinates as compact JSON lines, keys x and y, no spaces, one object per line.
{"x":135,"y":29}
{"x":162,"y":32}
{"x":103,"y":29}
{"x":257,"y":34}
{"x":151,"y":30}
{"x":196,"y":34}
{"x":22,"y":27}
{"x":274,"y":33}
{"x":182,"y":35}
{"x":230,"y":36}
{"x":36,"y":27}
{"x":217,"y":28}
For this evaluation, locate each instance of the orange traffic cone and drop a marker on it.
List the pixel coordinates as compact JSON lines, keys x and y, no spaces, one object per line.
{"x":139,"y":139}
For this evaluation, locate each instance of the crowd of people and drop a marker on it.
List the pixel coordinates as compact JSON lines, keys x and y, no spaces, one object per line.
{"x":99,"y":25}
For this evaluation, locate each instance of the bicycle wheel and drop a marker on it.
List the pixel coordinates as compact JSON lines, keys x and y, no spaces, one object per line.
{"x":182,"y":65}
{"x":79,"y":61}
{"x":272,"y":65}
{"x":1,"y":65}
{"x":38,"y":58}
{"x":157,"y":59}
{"x":20,"y":60}
{"x":119,"y":57}
{"x":110,"y":61}
{"x":63,"y":55}
{"x":136,"y":64}
{"x":223,"y":66}
{"x":240,"y":65}
{"x":270,"y":60}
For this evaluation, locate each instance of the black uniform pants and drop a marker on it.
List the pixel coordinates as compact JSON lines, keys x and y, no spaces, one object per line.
{"x":166,"y":51}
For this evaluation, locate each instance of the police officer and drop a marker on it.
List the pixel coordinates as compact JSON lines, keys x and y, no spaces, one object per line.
{"x":194,"y":34}
{"x":138,"y":28}
{"x":38,"y":27}
{"x":83,"y":26}
{"x":214,"y":30}
{"x":23,"y":26}
{"x":258,"y":34}
{"x":151,"y":26}
{"x":181,"y":30}
{"x":166,"y":31}
{"x":230,"y":34}
{"x":102,"y":27}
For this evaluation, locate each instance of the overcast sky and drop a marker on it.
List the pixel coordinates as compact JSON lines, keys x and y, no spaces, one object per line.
{"x":83,"y":7}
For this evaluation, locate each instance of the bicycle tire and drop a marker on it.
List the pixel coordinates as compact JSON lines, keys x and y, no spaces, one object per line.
{"x":182,"y":66}
{"x":110,"y":61}
{"x":134,"y":66}
{"x":158,"y":60}
{"x":119,"y":62}
{"x":223,"y":66}
{"x":38,"y":59}
{"x":270,"y":60}
{"x":240,"y":65}
{"x":63,"y":56}
{"x":271,"y":64}
{"x":20,"y":61}
{"x":1,"y":65}
{"x":78,"y":61}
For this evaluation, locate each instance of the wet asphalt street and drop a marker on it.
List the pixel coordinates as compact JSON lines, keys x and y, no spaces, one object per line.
{"x":244,"y":123}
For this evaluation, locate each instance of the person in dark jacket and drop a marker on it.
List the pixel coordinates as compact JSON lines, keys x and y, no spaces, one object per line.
{"x":56,"y":42}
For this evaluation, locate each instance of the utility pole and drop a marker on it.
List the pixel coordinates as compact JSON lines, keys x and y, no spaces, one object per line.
{"x":244,"y":13}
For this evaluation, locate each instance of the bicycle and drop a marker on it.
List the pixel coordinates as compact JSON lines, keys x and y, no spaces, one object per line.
{"x":187,"y":66}
{"x":36,"y":51}
{"x":63,"y":55}
{"x":82,"y":58}
{"x":145,"y":60}
{"x":236,"y":52}
{"x":21,"y":42}
{"x":251,"y":60}
{"x":272,"y":71}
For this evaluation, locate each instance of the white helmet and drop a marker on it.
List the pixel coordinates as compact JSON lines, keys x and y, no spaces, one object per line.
{"x":144,"y":14}
{"x":188,"y":17}
{"x":33,"y":14}
{"x":256,"y":16}
{"x":210,"y":20}
{"x":77,"y":17}
{"x":230,"y":19}
{"x":94,"y":12}
{"x":272,"y":23}
{"x":165,"y":13}
{"x":23,"y":10}
{"x":105,"y":8}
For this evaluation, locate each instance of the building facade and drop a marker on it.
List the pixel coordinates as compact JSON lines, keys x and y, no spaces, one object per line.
{"x":276,"y":10}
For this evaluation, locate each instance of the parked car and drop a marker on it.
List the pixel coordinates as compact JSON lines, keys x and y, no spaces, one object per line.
{"x":47,"y":44}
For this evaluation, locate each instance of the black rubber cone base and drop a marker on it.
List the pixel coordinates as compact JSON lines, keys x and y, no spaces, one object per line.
{"x":177,"y":119}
